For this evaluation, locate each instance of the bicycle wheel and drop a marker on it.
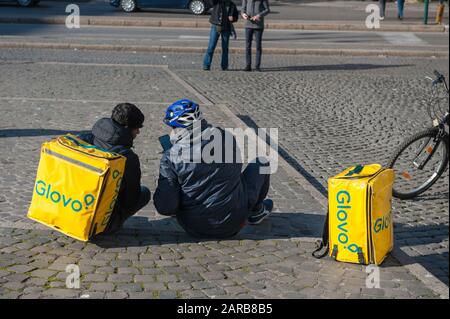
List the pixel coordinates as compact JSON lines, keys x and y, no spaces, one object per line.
{"x":418,"y":163}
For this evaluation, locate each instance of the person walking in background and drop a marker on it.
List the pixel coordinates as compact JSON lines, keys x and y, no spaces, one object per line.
{"x":254,"y":11}
{"x":400,"y":9}
{"x":224,"y":13}
{"x":440,"y":11}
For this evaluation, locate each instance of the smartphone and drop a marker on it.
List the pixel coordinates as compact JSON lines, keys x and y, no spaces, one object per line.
{"x":165,"y":142}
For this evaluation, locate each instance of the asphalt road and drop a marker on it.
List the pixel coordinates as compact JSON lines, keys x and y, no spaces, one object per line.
{"x":199,"y":37}
{"x":316,"y":11}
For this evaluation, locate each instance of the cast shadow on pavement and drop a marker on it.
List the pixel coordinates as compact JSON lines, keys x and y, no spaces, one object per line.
{"x":416,"y":240}
{"x":36,"y":132}
{"x":287,"y":157}
{"x":142,"y":231}
{"x":335,"y":67}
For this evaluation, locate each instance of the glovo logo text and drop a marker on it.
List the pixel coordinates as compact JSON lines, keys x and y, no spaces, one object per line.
{"x":118,"y":180}
{"x":76,"y":205}
{"x":343,"y":199}
{"x":382,"y":223}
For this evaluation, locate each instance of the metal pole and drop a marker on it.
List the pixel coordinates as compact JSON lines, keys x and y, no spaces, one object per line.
{"x":425,"y":15}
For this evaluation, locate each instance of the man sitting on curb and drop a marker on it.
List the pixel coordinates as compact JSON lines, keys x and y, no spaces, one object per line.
{"x":116,"y":134}
{"x":210,"y":199}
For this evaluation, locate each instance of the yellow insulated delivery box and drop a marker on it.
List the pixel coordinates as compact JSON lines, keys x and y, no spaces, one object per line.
{"x":76,"y":187}
{"x":359,"y":226}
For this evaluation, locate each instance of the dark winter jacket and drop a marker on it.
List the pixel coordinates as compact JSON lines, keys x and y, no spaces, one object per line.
{"x":114,"y":137}
{"x":221,"y":10}
{"x":253,"y":8}
{"x":207,"y":198}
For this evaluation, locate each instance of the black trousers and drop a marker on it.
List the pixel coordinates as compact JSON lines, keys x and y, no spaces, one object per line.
{"x":256,"y":185}
{"x":248,"y":46}
{"x":120,"y":215}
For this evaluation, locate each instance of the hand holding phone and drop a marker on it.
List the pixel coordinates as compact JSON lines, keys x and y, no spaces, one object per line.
{"x":165,"y":142}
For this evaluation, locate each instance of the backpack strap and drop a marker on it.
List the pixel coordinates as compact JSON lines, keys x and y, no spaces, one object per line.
{"x":324,"y":242}
{"x":361,"y":256}
{"x":119,"y":149}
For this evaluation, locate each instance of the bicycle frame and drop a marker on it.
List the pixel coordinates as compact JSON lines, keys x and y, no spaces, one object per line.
{"x":431,"y":149}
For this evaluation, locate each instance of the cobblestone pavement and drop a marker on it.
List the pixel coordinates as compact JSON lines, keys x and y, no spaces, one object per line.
{"x":152,"y":257}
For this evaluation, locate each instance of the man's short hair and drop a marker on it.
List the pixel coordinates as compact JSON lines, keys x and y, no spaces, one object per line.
{"x":128,"y":115}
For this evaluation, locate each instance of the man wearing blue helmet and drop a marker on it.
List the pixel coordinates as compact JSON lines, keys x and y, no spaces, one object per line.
{"x":210,"y":199}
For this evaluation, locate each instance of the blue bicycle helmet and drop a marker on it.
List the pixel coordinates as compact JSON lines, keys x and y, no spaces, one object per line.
{"x":182,"y":114}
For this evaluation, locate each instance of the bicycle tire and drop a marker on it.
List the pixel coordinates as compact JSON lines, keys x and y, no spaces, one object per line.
{"x":430,"y":132}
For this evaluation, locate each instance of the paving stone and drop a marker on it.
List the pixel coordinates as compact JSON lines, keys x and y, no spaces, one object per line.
{"x":95,"y":278}
{"x":61,"y":293}
{"x":120,"y":278}
{"x":102,"y":286}
{"x":42,"y":273}
{"x":132,"y":287}
{"x":154,"y":286}
{"x":116,"y":295}
{"x":21,"y":268}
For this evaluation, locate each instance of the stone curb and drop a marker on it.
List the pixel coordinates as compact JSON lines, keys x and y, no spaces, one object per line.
{"x":192,"y":23}
{"x":167,"y":49}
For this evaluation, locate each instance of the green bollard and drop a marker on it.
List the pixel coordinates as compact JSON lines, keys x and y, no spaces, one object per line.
{"x":425,"y":14}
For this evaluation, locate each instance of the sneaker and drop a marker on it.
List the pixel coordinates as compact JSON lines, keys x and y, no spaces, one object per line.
{"x":263,"y":214}
{"x":258,"y":69}
{"x":381,"y":18}
{"x":205,"y":68}
{"x":247,"y":69}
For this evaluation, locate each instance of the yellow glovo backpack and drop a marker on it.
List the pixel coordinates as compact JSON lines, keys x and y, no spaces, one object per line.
{"x":77,"y":187}
{"x":359,"y":225}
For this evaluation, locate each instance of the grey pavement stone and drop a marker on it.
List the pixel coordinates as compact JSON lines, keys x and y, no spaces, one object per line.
{"x":120,"y":278}
{"x":167,"y":295}
{"x":21,"y":268}
{"x":42,"y":273}
{"x":154,"y":286}
{"x":61,"y":293}
{"x":116,"y":295}
{"x":102,"y":286}
{"x":130,"y":287}
{"x":95,"y":278}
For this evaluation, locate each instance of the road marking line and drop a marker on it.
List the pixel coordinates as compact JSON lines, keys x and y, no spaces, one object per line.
{"x":192,"y":37}
{"x":402,"y":38}
{"x":204,"y":100}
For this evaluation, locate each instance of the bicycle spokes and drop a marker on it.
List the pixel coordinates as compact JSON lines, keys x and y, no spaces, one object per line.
{"x":418,"y":164}
{"x":425,"y":153}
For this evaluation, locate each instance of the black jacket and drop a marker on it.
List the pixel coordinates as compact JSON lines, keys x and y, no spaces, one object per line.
{"x":208,"y":199}
{"x":220,"y":14}
{"x":112,"y":136}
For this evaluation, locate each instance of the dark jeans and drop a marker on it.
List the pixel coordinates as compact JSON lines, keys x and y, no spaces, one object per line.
{"x":120,"y":215}
{"x":256,"y":186}
{"x":400,"y":7}
{"x":382,"y":7}
{"x":248,"y":46}
{"x":213,"y":38}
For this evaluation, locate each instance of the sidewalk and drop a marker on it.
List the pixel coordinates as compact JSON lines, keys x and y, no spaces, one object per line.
{"x":152,"y":257}
{"x":335,"y":15}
